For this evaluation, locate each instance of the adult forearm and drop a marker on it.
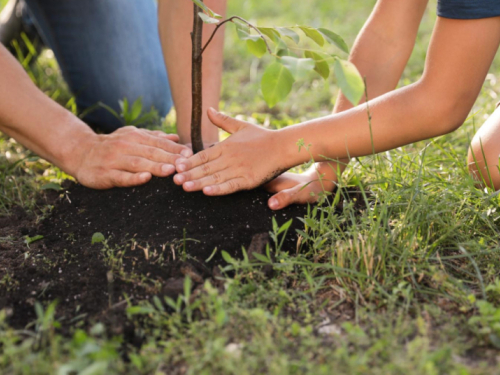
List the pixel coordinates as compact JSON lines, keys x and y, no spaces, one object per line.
{"x":36,"y":121}
{"x":175,"y":24}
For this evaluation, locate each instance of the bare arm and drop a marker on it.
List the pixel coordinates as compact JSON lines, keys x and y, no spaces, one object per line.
{"x":384,"y":45}
{"x":380,"y":52}
{"x":458,"y":60}
{"x":127,"y":157}
{"x":459,"y":57}
{"x":176,"y":24}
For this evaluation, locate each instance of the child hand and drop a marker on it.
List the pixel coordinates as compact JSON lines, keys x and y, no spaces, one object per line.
{"x":247,"y":159}
{"x":292,"y":188}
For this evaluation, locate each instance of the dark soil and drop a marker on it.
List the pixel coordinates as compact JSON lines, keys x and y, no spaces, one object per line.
{"x":155,"y":235}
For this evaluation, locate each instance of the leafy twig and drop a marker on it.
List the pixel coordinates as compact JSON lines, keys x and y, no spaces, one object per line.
{"x":242,"y":20}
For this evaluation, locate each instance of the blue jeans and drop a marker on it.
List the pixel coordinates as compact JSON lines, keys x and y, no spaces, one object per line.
{"x":108,"y":50}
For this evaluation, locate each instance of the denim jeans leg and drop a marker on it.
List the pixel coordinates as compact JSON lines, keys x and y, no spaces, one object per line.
{"x":108,"y":50}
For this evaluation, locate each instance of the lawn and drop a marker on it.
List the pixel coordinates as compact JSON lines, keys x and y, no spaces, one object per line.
{"x":403,"y":280}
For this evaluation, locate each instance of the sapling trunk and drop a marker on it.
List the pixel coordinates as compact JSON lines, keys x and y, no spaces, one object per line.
{"x":197,"y":85}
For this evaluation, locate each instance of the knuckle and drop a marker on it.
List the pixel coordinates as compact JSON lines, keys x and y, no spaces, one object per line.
{"x":206,"y":169}
{"x":232,"y":185}
{"x":151,"y":153}
{"x":128,"y":129}
{"x":216,"y":177}
{"x":135,"y":163}
{"x":203,"y":157}
{"x":118,"y":144}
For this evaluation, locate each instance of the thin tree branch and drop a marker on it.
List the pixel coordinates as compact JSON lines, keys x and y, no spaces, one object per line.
{"x":197,"y":83}
{"x":231,"y":20}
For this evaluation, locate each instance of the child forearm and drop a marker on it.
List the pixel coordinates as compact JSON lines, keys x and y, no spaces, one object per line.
{"x":381,"y":52}
{"x":439,"y":103}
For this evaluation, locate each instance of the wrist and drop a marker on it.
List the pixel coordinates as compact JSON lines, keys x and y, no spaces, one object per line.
{"x":291,"y":154}
{"x":75,"y":145}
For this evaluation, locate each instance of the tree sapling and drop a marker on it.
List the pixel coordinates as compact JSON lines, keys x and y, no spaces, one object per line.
{"x":291,"y":61}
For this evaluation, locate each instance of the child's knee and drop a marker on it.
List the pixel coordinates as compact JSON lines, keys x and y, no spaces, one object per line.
{"x":483,"y":163}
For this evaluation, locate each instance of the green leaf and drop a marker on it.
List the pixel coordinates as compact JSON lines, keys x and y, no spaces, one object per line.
{"x":289,"y":33}
{"x":276,"y":84}
{"x":298,"y":67}
{"x":335,"y":39}
{"x":257,"y":47}
{"x":97,"y":238}
{"x":271,"y":33}
{"x":228,"y":258}
{"x":349,"y":80}
{"x":206,"y":9}
{"x":208,"y":19}
{"x":29,"y":240}
{"x":136,"y":110}
{"x":243,"y":32}
{"x":321,"y":65}
{"x":313,"y":34}
{"x":140,"y":310}
{"x":51,"y":186}
{"x":124,"y":106}
{"x":261,"y":258}
{"x":285,"y":226}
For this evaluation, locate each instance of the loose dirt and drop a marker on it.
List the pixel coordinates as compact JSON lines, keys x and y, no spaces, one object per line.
{"x":155,"y":235}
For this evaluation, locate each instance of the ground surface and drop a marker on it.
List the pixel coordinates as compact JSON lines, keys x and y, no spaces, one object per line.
{"x":409,"y":285}
{"x":171,"y":234}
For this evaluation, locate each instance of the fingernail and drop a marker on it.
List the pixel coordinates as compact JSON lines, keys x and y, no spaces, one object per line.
{"x":273,"y":203}
{"x":180,"y":179}
{"x":144,"y":176}
{"x":186,"y":153}
{"x":167,"y":168}
{"x":207,"y":190}
{"x":181,"y":167}
{"x":189,"y":185}
{"x":212,"y":110}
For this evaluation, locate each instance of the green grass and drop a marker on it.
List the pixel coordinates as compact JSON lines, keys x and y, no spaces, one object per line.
{"x":410,"y":286}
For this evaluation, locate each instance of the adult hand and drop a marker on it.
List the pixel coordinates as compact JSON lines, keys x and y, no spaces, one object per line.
{"x":247,"y":159}
{"x":292,"y":188}
{"x":127,"y":157}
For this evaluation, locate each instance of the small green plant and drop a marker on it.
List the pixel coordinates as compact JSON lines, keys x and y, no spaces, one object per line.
{"x":292,"y":60}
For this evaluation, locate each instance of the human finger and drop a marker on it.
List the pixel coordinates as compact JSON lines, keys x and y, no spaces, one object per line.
{"x":136,"y":164}
{"x":225,"y":122}
{"x":203,"y":157}
{"x":197,"y":173}
{"x":213,"y":179}
{"x":127,"y":179}
{"x":145,"y":138}
{"x":285,"y":181}
{"x":228,"y":187}
{"x":159,"y":133}
{"x":152,"y":153}
{"x":299,"y":194}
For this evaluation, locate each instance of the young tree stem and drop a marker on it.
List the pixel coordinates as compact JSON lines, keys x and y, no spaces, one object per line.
{"x":197,"y":79}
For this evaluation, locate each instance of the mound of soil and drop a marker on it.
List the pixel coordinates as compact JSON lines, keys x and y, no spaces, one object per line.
{"x":155,"y":234}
